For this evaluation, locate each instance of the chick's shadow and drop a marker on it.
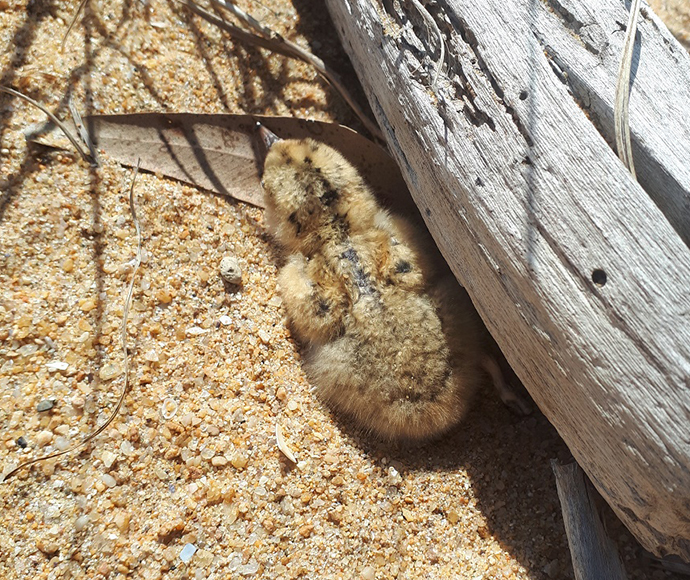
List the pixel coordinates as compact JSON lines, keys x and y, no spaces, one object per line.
{"x":507,"y":458}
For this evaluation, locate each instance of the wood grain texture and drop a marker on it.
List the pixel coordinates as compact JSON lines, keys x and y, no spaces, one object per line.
{"x":593,"y":553}
{"x":532,"y":208}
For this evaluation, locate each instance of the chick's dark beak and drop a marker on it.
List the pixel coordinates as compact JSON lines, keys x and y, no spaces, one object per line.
{"x":266,"y":139}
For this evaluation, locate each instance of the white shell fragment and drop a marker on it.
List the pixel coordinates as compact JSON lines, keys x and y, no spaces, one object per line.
{"x":283,"y":446}
{"x":169,"y":408}
{"x":230,"y":270}
{"x":57,"y":366}
{"x":196,"y":331}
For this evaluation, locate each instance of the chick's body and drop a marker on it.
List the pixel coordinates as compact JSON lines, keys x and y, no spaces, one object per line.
{"x":391,"y":339}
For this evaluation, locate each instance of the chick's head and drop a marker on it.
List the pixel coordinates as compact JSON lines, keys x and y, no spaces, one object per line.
{"x":313,"y":194}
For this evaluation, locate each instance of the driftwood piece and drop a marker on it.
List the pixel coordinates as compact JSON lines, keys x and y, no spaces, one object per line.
{"x":593,"y":553}
{"x":578,"y":275}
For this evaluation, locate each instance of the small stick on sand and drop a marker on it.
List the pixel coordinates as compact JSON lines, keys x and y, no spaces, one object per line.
{"x":125,"y":388}
{"x":267,"y":38}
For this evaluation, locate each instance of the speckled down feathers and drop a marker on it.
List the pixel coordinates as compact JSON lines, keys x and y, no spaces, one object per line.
{"x":390,"y":338}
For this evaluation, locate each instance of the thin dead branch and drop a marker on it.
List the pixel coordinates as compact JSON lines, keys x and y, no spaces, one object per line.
{"x":125,"y":388}
{"x":86,"y":156}
{"x":621,"y":116}
{"x":72,"y":23}
{"x":271,"y":40}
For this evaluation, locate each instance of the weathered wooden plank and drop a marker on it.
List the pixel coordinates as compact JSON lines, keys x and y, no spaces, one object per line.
{"x":576,"y":272}
{"x":583,"y":40}
{"x":593,"y":554}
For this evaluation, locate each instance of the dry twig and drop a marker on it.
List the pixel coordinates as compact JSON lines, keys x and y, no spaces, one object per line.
{"x":271,"y":40}
{"x":72,"y":23}
{"x":86,"y":156}
{"x":621,"y":119}
{"x":125,"y":388}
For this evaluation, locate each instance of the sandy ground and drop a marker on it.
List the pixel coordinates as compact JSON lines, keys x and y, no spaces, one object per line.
{"x":188,"y":482}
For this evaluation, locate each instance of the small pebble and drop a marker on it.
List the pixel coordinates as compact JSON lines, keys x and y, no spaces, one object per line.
{"x":28,"y":349}
{"x":108,"y":480}
{"x":164,"y":296}
{"x":46,"y":405}
{"x":47,"y":547}
{"x":368,"y":573}
{"x":43,"y":438}
{"x":219,"y":461}
{"x":81,"y":522}
{"x":230,"y":270}
{"x":250,"y":568}
{"x":88,"y":305}
{"x":151,"y":355}
{"x":187,"y":552}
{"x":108,"y":458}
{"x":122,"y":521}
{"x":551,"y":569}
{"x":21,"y":442}
{"x":239,"y":461}
{"x":110,"y":371}
{"x":225,"y":320}
{"x":204,"y":558}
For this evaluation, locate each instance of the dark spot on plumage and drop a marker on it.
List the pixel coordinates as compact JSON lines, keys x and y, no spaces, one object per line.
{"x":403,"y":267}
{"x":308,"y":159}
{"x":323,"y":308}
{"x":350,"y":255}
{"x":412,"y":396}
{"x":287,"y":158}
{"x":359,"y":275}
{"x":313,"y":147}
{"x":292,"y":218}
{"x":329,"y":196}
{"x":446,"y":376}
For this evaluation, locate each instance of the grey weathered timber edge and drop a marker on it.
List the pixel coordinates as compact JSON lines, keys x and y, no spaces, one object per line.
{"x":593,"y":553}
{"x":531,"y":208}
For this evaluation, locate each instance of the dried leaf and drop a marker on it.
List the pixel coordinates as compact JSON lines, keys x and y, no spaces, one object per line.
{"x":220,"y":152}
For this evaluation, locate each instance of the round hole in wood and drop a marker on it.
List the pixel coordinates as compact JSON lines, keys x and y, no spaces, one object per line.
{"x":599,"y":277}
